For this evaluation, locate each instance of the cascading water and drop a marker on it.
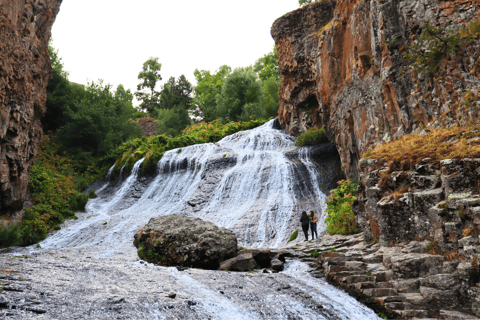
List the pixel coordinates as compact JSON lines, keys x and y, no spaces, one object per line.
{"x":254,"y":182}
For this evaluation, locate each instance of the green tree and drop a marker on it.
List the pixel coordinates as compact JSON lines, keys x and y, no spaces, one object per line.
{"x":174,"y":105}
{"x":268,"y":72}
{"x":59,"y":94}
{"x":98,"y":122}
{"x":302,"y":2}
{"x":241,"y":88}
{"x":149,"y":77}
{"x":208,"y":86}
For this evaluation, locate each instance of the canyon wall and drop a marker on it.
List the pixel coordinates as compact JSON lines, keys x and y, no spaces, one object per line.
{"x":25,"y":69}
{"x":343,"y":68}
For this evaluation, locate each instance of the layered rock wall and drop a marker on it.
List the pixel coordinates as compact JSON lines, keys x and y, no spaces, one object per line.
{"x":25,"y":70}
{"x":343,"y":69}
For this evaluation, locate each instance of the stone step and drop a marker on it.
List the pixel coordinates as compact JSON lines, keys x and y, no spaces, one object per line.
{"x":382,"y":276}
{"x":385,"y":285}
{"x":413,"y":313}
{"x":398,"y":305}
{"x":414,"y":298}
{"x":380,"y":292}
{"x":388,"y":299}
{"x":359,"y":278}
{"x":364,"y":285}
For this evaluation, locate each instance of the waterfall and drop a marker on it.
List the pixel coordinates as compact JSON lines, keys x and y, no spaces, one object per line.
{"x":254,"y":182}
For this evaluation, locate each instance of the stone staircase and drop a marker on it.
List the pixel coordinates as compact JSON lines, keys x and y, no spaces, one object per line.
{"x":400,"y":282}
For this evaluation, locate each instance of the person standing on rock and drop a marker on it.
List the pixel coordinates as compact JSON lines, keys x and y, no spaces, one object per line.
{"x":313,"y":224}
{"x":304,"y":220}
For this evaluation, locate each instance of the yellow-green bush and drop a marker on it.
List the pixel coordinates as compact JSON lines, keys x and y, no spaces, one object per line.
{"x":341,"y":219}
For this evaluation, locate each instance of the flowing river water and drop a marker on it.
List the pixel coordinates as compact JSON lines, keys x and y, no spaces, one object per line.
{"x":254,"y":182}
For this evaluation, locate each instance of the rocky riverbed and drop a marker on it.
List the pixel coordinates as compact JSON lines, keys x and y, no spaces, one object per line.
{"x":77,"y":284}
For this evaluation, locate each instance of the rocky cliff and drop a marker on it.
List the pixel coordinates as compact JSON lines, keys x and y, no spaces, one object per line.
{"x":343,"y":68}
{"x":25,"y":69}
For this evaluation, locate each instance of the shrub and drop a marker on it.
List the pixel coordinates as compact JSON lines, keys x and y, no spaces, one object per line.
{"x":293,"y":236}
{"x":10,"y":235}
{"x":341,"y":219}
{"x":311,"y":137}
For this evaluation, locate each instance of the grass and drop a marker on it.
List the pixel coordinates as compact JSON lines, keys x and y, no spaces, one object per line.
{"x":311,"y":137}
{"x":410,"y":149}
{"x":293,"y":236}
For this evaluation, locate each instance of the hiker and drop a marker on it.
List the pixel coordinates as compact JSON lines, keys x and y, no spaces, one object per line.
{"x":304,"y":220}
{"x":313,"y":224}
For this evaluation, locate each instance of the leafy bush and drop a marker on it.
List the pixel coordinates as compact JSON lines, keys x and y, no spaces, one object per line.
{"x":10,"y":235}
{"x":311,"y":137}
{"x":56,"y":185}
{"x":293,"y":236}
{"x":341,"y":219}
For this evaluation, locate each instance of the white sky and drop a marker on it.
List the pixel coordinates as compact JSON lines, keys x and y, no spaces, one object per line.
{"x":111,"y":39}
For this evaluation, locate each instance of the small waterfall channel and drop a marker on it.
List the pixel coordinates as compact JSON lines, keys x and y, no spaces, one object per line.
{"x":255,"y":183}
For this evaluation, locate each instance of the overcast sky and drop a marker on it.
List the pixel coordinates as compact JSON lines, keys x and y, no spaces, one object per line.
{"x":110,"y":39}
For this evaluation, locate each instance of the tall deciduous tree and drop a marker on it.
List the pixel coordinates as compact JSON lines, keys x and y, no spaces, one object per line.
{"x":149,"y":77}
{"x":240,"y":95}
{"x":208,"y":86}
{"x":174,"y":105}
{"x":268,"y":72}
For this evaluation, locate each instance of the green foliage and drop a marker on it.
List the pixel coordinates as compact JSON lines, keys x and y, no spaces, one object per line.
{"x":208,"y":87}
{"x":302,"y":2}
{"x":435,"y":44}
{"x":55,"y":184}
{"x":314,"y":254}
{"x":153,"y":148}
{"x":293,"y":236}
{"x":243,"y":248}
{"x":240,"y":89}
{"x":149,"y":76}
{"x":382,"y":315}
{"x":341,"y":219}
{"x":10,"y":235}
{"x":98,"y":122}
{"x":311,"y":137}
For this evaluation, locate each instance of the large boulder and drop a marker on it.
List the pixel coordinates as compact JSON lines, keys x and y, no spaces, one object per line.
{"x":182,"y":241}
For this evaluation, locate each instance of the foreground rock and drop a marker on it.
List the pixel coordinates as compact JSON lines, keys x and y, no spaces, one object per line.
{"x":25,"y":69}
{"x":254,"y":258}
{"x":401,"y":282}
{"x":181,"y":241}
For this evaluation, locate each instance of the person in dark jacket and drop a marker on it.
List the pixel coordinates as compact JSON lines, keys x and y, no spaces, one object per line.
{"x":313,"y":224}
{"x":305,"y":221}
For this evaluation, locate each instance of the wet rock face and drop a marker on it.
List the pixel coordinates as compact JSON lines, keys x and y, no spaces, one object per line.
{"x":181,"y":241}
{"x":25,"y":69}
{"x":343,"y":69}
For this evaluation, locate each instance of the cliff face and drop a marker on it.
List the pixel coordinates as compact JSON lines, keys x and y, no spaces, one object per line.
{"x":343,"y":69}
{"x":24,"y":72}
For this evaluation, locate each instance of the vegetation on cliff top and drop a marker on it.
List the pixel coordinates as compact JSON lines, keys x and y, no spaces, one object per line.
{"x":437,"y":144}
